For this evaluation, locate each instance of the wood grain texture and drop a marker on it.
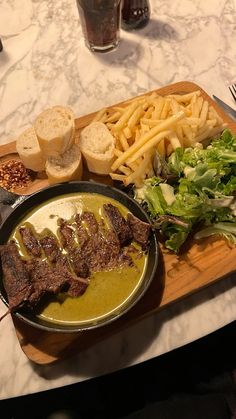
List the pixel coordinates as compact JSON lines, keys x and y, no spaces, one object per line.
{"x":199,"y":265}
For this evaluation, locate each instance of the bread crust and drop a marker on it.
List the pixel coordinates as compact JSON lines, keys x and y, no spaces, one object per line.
{"x":66,"y":167}
{"x":27,"y":146}
{"x":97,"y":146}
{"x":55,"y":130}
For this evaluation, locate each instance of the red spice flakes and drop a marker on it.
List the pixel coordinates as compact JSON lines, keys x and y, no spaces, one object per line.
{"x":13,"y":174}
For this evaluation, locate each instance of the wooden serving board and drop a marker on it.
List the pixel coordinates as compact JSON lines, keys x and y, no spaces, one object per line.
{"x":199,"y":265}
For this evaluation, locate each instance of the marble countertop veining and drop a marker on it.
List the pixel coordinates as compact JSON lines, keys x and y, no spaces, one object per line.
{"x":45,"y":62}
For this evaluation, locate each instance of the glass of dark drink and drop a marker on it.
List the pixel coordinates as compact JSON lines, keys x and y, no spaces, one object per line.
{"x":135,"y":14}
{"x":100,"y":20}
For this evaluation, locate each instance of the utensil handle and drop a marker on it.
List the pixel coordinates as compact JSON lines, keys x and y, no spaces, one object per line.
{"x":8,"y":200}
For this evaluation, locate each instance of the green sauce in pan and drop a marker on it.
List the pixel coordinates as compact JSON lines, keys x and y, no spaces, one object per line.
{"x":107,"y":291}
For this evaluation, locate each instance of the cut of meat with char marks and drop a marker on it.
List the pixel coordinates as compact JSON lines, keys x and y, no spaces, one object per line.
{"x":80,"y":266}
{"x":51,"y":247}
{"x":77,"y":288}
{"x":90,"y":221}
{"x":66,"y":234}
{"x":82,"y":234}
{"x":16,"y":278}
{"x":103,"y":252}
{"x":30,"y":242}
{"x":76,"y":285}
{"x":118,"y":224}
{"x":140,"y":230}
{"x":45,"y":280}
{"x":52,"y":280}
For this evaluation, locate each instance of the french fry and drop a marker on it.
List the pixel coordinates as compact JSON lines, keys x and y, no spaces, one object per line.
{"x":150,"y":122}
{"x":165,"y":109}
{"x":149,"y":145}
{"x":138,"y":113}
{"x":175,"y":107}
{"x":117,"y":152}
{"x":99,"y":115}
{"x":138,"y":172}
{"x":185,"y":98}
{"x":174,"y":140}
{"x":123,"y":141}
{"x":125,"y":170}
{"x":127,"y":132}
{"x":115,"y":176}
{"x":159,"y":103}
{"x":113,"y":117}
{"x":204,"y":112}
{"x":168,"y":123}
{"x":125,"y":117}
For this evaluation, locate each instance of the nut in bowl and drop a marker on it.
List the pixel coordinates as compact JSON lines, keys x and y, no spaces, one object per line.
{"x":64,"y":283}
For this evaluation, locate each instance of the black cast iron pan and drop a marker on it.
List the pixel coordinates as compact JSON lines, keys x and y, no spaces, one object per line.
{"x":13,"y":208}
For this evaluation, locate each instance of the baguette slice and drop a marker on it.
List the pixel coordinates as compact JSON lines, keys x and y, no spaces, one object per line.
{"x":55,"y":129}
{"x":66,"y":167}
{"x":97,"y":146}
{"x":27,"y":146}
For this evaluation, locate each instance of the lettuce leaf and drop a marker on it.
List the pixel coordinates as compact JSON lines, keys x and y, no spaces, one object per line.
{"x":204,"y":193}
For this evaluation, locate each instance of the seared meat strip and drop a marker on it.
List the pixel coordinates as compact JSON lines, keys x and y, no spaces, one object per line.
{"x":16,"y":278}
{"x":30,"y":242}
{"x":81,"y":231}
{"x":50,"y":247}
{"x":103,"y":252}
{"x":119,"y":224}
{"x":90,"y":221}
{"x":140,"y":230}
{"x":79,"y":265}
{"x":45,"y":280}
{"x":76,"y":284}
{"x":66,"y":234}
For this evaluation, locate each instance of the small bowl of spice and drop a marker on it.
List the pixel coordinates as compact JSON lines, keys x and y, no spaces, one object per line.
{"x":14,"y":175}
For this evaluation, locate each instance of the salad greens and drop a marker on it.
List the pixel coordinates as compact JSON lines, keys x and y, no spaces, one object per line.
{"x":194,"y":190}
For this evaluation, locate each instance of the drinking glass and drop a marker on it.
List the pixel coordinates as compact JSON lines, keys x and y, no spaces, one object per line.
{"x":100,"y":20}
{"x":135,"y":14}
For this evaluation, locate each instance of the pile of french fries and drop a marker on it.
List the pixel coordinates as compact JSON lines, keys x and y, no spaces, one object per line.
{"x":153,"y":122}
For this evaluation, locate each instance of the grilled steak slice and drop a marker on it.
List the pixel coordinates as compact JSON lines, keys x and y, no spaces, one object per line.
{"x":50,"y":247}
{"x":66,"y":234}
{"x":76,"y":285}
{"x":81,"y":231}
{"x":90,"y":221}
{"x":45,"y":280}
{"x":119,"y":224}
{"x":76,"y":288}
{"x":16,"y":278}
{"x":79,"y":265}
{"x":140,"y":230}
{"x":30,"y":242}
{"x":103,"y":252}
{"x":96,"y":253}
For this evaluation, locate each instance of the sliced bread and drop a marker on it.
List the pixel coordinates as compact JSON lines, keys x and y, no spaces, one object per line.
{"x":27,"y":146}
{"x":66,"y":167}
{"x":55,"y":129}
{"x":97,"y":146}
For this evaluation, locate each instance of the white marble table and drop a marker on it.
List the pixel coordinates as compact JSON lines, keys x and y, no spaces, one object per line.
{"x":44,"y":63}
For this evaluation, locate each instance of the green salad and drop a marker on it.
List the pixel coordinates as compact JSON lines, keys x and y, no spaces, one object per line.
{"x":194,"y":192}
